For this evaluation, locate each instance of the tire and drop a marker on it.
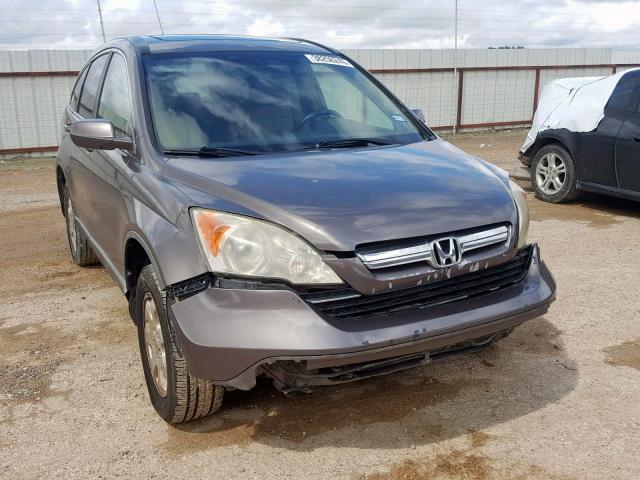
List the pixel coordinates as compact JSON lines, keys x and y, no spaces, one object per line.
{"x":79,"y":248}
{"x":181,"y":397}
{"x":553,"y":174}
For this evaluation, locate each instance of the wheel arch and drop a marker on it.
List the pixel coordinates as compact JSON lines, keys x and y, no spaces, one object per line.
{"x":547,"y":138}
{"x":138,"y":254}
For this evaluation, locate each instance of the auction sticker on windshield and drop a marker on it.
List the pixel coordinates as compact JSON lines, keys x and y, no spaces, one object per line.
{"x":328,"y":60}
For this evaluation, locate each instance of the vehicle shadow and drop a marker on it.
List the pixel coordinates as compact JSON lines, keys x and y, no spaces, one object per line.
{"x":444,"y":399}
{"x":598,"y":211}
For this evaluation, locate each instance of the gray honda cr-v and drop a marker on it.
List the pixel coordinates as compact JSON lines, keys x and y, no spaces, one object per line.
{"x":269,"y":208}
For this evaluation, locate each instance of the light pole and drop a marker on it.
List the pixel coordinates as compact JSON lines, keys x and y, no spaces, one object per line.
{"x":158,"y":15}
{"x":104,"y":38}
{"x":455,"y":27}
{"x":455,"y":56}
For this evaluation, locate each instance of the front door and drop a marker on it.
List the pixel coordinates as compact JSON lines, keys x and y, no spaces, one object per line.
{"x":628,"y":154}
{"x":628,"y":141}
{"x":112,"y":168}
{"x":597,"y":149}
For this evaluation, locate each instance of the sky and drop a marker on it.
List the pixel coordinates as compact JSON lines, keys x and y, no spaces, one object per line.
{"x":338,"y":23}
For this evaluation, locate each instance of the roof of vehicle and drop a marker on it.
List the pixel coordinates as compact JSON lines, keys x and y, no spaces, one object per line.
{"x":574,"y":104}
{"x":199,"y":43}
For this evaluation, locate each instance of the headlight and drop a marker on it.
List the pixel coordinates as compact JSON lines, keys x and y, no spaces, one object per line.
{"x":520,"y":197}
{"x":246,"y":246}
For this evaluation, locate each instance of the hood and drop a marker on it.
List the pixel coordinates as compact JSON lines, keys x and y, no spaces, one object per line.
{"x":342,"y":198}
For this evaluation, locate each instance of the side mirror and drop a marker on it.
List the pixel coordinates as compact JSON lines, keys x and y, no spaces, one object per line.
{"x":419,"y":114}
{"x":98,"y":134}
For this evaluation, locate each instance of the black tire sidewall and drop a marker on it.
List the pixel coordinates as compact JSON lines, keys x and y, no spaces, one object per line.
{"x":163,"y":405}
{"x":568,"y":190}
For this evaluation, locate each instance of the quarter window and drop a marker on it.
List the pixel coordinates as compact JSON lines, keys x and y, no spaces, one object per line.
{"x":77,"y":88}
{"x":115,"y":103}
{"x":90,"y":88}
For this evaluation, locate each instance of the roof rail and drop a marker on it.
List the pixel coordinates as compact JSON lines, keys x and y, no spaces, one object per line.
{"x":311,"y":42}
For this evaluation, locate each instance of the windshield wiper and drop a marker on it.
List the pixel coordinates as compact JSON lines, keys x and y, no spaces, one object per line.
{"x":210,"y":152}
{"x":348,"y":143}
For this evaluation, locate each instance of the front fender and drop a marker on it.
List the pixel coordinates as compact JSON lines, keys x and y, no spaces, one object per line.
{"x":172,"y":248}
{"x":564,"y":137}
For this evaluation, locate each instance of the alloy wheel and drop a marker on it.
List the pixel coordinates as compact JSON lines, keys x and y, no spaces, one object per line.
{"x":154,"y":345}
{"x":551,"y":173}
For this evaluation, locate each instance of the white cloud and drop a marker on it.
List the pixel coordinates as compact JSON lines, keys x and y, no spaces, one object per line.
{"x":613,"y":16}
{"x":340,"y":23}
{"x":266,"y":27}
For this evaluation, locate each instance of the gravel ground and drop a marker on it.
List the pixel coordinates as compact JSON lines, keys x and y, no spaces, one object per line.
{"x":558,"y":399}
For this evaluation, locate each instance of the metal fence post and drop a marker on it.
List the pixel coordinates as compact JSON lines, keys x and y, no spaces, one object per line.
{"x":460,"y":95}
{"x":536,"y":92}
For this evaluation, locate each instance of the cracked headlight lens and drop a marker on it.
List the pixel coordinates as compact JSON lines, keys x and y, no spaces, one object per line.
{"x":245,"y":246}
{"x":520,"y":198}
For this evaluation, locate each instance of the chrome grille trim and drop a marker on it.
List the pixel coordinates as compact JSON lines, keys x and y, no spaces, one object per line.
{"x":483,"y":239}
{"x":375,"y":259}
{"x":335,"y":298}
{"x":399,"y":256}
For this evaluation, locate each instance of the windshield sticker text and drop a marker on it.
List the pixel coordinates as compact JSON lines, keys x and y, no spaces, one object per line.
{"x":328,"y":60}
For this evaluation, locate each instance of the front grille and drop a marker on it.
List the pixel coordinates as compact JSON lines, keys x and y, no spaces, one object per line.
{"x":381,"y":257}
{"x":348,"y":304}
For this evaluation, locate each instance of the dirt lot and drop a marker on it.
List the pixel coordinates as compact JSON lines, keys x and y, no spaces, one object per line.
{"x":556,"y":400}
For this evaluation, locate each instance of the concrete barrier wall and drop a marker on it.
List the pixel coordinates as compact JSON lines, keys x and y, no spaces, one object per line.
{"x":466,"y":89}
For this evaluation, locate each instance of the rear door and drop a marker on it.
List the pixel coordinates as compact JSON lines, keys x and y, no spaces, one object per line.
{"x":628,"y":142}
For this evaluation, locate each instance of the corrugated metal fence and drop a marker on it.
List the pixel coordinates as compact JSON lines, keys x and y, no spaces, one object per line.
{"x":34,"y":90}
{"x":489,"y":88}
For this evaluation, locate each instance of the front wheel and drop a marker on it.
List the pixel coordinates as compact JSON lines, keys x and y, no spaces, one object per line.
{"x":176,"y":395}
{"x":553,"y":174}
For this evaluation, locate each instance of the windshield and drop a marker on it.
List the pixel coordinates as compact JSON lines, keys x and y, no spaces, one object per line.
{"x":268,"y":101}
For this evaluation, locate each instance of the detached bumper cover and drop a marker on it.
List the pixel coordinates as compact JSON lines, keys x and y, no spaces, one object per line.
{"x":226,"y":334}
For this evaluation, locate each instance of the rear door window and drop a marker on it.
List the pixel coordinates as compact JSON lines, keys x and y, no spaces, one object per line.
{"x":115,"y":102}
{"x":91,"y":86}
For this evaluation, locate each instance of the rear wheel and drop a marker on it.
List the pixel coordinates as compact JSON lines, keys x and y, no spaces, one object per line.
{"x":81,"y":251}
{"x":553,"y":174}
{"x":176,"y":395}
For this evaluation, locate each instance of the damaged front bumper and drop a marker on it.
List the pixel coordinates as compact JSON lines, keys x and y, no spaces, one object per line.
{"x":290,"y":375}
{"x":231,"y":335}
{"x":525,"y":159}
